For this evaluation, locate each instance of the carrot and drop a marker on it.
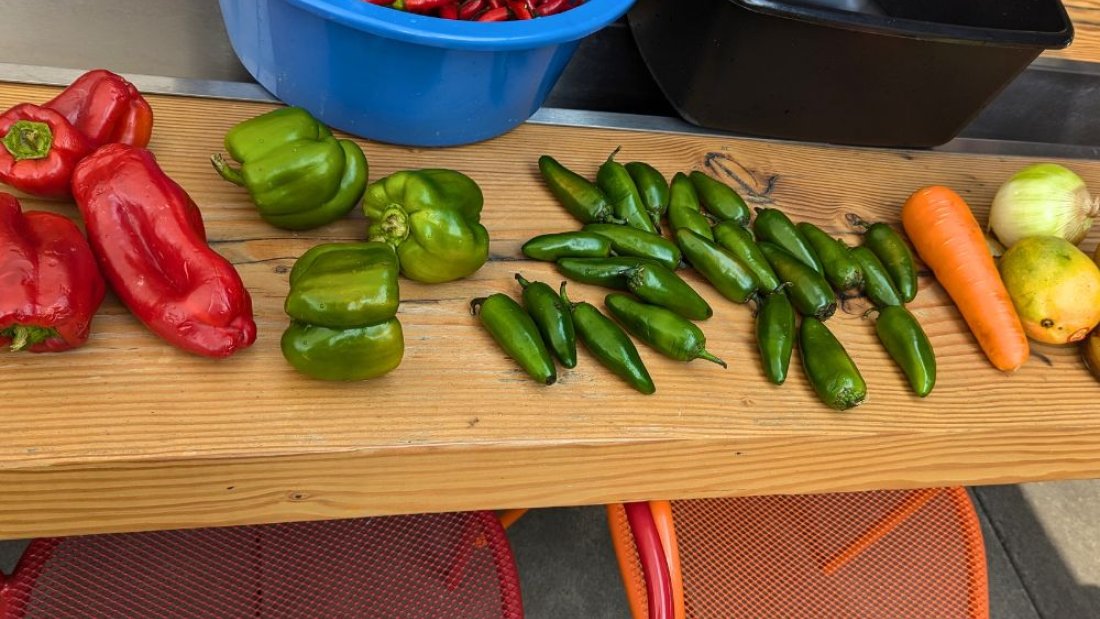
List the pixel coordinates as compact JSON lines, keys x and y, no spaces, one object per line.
{"x":950,"y":241}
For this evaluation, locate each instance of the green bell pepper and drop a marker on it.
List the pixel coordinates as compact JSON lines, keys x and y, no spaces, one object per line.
{"x":298,"y":175}
{"x":432,"y":218}
{"x":342,"y":304}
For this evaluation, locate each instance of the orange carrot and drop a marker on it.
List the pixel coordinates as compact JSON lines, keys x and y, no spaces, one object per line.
{"x":950,"y":241}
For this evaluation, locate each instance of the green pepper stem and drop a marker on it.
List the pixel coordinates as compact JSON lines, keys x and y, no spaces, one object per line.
{"x":227,"y":171}
{"x":565,"y":297}
{"x":709,"y":357}
{"x":29,"y":139}
{"x":856,"y":221}
{"x":476,"y":304}
{"x":522,"y":282}
{"x":23,"y":336}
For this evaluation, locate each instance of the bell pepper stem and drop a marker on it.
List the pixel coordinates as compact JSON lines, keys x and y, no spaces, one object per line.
{"x":522,"y":282}
{"x":28,"y":139}
{"x":394,"y":225}
{"x":227,"y":171}
{"x":23,"y":336}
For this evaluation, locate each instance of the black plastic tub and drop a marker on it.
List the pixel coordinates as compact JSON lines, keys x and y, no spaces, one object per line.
{"x":904,"y":73}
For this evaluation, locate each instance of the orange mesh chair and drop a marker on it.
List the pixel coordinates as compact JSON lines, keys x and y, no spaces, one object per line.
{"x":888,"y":554}
{"x":441,"y":566}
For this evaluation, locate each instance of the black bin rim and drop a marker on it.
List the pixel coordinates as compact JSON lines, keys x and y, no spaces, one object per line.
{"x":916,"y":29}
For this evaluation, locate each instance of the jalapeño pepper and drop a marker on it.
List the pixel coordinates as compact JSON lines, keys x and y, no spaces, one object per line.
{"x":833,"y":375}
{"x":725,"y":272}
{"x":665,"y":331}
{"x":606,"y":272}
{"x":610,"y":345}
{"x":775,"y":335}
{"x":516,"y":333}
{"x":808,"y":290}
{"x":298,"y":175}
{"x":683,"y":208}
{"x":553,"y":319}
{"x":720,"y":200}
{"x":343,"y":304}
{"x":653,"y":188}
{"x":550,"y":247}
{"x":660,"y":286}
{"x":774,"y":226}
{"x":627,"y":241}
{"x":876,"y":283}
{"x":739,"y":242}
{"x":578,"y":195}
{"x":901,"y":335}
{"x":840,"y":269}
{"x":895,"y":256}
{"x":621,"y":191}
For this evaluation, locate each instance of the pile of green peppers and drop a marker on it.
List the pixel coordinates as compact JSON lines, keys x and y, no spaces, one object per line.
{"x":785,"y":269}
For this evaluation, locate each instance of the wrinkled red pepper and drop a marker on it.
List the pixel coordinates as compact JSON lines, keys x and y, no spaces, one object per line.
{"x":40,"y":150}
{"x":148,"y":236}
{"x":106,"y":108}
{"x":49,"y":284}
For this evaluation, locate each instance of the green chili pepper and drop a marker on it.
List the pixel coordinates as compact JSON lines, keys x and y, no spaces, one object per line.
{"x":620,"y":190}
{"x":773,"y":226}
{"x":433,"y":219}
{"x":664,"y":330}
{"x":683,"y":208}
{"x":578,"y":195}
{"x":775,"y":335}
{"x":720,"y":199}
{"x":901,"y":335}
{"x":610,"y":345}
{"x":550,"y":247}
{"x":298,"y":175}
{"x":724,"y":271}
{"x":342,"y":303}
{"x":627,"y":241}
{"x":516,"y":332}
{"x":739,"y":242}
{"x":553,"y":319}
{"x":606,"y":272}
{"x":895,"y":256}
{"x":876,"y":283}
{"x":809,"y":292}
{"x":833,"y":375}
{"x":658,"y":285}
{"x":840,"y":269}
{"x":653,"y":188}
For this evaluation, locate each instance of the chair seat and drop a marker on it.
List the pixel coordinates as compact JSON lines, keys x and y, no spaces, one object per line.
{"x":420,"y":566}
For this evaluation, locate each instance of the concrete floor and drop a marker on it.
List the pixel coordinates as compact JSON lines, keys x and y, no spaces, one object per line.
{"x":1042,"y":544}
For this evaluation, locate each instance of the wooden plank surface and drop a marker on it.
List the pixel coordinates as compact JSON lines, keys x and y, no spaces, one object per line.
{"x":1085,"y":15}
{"x":128,"y":433}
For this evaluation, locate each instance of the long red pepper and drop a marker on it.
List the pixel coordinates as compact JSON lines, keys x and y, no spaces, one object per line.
{"x":423,"y":6}
{"x":552,"y":7}
{"x":449,"y":11}
{"x":498,"y":14}
{"x":39,"y":150}
{"x":106,"y":108}
{"x":50,"y":286}
{"x":149,"y":239}
{"x":520,"y":9}
{"x":470,"y":8}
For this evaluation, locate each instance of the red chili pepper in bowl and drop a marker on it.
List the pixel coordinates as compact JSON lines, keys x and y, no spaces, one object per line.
{"x":106,"y":108}
{"x":520,"y":9}
{"x":552,"y":7}
{"x":148,"y":237}
{"x":449,"y":11}
{"x":497,"y":14}
{"x":40,"y":150}
{"x":424,"y":6}
{"x":470,"y":9}
{"x":49,"y":284}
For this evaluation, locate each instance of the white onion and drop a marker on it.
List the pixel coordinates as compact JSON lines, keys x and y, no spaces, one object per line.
{"x":1044,"y":199}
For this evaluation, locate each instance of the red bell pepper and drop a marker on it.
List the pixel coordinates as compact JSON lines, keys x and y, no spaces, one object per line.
{"x":40,"y":150}
{"x":148,"y":236}
{"x":49,"y":284}
{"x":106,"y":108}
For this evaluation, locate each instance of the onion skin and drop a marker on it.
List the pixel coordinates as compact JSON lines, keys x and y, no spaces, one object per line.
{"x":1090,"y":352}
{"x":1044,"y":199}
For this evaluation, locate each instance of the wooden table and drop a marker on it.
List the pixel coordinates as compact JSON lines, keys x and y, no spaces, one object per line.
{"x":128,"y":433}
{"x":1085,"y":15}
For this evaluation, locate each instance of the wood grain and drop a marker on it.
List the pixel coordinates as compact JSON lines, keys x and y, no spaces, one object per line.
{"x":128,"y":433}
{"x":1085,"y":15}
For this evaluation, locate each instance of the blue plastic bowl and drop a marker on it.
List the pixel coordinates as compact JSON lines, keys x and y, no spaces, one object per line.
{"x":396,"y":77}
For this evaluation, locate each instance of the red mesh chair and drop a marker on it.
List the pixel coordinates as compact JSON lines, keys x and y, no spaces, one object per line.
{"x":889,"y":554}
{"x":448,"y":566}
